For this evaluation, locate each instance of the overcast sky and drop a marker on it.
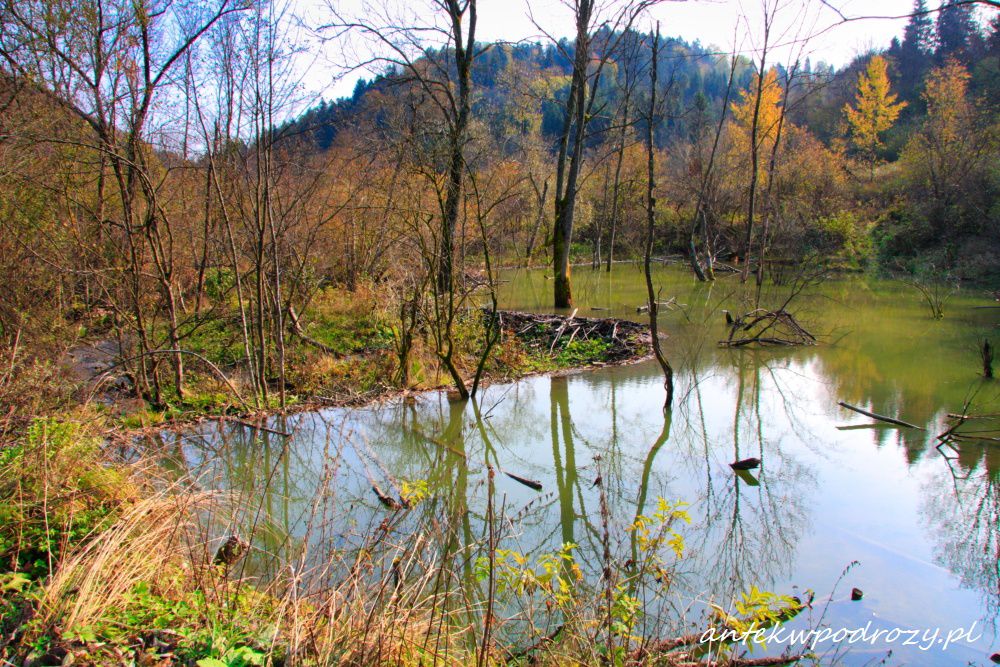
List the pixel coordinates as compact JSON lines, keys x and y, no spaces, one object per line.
{"x":712,"y":22}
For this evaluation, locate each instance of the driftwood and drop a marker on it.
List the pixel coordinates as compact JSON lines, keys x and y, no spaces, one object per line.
{"x":388,"y":501}
{"x":537,"y":486}
{"x":626,"y":340}
{"x":766,"y":327}
{"x":746,"y":464}
{"x":986,"y":435}
{"x":952,"y":415}
{"x":562,"y":329}
{"x":883,"y":418}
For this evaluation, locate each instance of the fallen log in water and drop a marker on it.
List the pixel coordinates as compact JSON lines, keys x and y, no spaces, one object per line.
{"x":972,"y":436}
{"x":873,"y":415}
{"x":388,"y":501}
{"x":537,"y":486}
{"x":988,"y":434}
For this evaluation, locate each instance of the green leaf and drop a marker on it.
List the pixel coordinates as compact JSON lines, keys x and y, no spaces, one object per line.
{"x":14,"y":581}
{"x":211,"y":662}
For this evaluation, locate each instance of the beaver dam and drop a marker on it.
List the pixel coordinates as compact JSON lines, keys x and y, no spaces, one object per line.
{"x":616,"y":341}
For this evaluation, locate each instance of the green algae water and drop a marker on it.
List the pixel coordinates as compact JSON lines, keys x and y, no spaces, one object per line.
{"x":837,"y":502}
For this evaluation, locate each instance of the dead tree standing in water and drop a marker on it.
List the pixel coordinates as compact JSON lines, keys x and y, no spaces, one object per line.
{"x":668,"y":371}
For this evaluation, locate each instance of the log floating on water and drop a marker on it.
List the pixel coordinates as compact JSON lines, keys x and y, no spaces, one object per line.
{"x":745,"y":464}
{"x":386,"y":500}
{"x":889,"y":420}
{"x":537,"y":486}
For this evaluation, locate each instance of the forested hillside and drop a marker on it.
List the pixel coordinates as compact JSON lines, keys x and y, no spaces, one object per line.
{"x":913,"y":220}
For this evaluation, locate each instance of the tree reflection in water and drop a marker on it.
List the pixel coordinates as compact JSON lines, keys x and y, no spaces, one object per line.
{"x":311,"y":496}
{"x":961,"y":504}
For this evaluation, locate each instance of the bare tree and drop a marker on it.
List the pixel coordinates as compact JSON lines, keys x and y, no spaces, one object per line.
{"x":628,"y":86}
{"x":699,"y":222}
{"x":443,"y":71}
{"x":652,"y":301}
{"x":615,"y":20}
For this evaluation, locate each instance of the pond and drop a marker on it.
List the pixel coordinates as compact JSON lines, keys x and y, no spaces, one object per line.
{"x":837,"y":503}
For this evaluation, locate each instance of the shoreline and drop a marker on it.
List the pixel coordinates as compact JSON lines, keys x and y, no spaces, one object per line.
{"x":316,"y":403}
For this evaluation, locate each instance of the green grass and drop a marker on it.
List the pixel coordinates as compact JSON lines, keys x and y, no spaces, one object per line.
{"x":582,"y":352}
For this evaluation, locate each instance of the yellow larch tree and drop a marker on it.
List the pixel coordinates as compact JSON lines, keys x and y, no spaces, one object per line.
{"x":768,"y":115}
{"x":875,"y":110}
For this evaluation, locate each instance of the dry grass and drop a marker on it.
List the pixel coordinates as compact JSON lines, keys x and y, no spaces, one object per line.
{"x":154,"y":536}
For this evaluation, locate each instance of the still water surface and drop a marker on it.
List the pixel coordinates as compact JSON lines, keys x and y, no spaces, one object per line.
{"x":920,"y":525}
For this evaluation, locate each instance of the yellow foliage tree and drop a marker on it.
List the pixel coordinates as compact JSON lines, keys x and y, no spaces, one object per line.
{"x":875,"y":109}
{"x":768,"y":114}
{"x":951,"y":144}
{"x":948,"y":108}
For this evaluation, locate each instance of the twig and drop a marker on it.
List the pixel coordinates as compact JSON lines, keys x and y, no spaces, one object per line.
{"x":561,"y":330}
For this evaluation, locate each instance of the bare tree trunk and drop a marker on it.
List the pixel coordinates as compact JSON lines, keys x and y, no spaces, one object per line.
{"x":616,"y":197}
{"x":206,"y":232}
{"x":465,"y":53}
{"x":595,"y":259}
{"x":576,"y":116}
{"x":668,"y":371}
{"x":700,"y":214}
{"x":568,"y":165}
{"x":622,"y":137}
{"x":755,"y":151}
{"x":539,"y":219}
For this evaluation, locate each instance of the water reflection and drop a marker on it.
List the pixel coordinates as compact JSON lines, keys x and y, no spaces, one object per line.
{"x":925,"y":527}
{"x":966,"y":521}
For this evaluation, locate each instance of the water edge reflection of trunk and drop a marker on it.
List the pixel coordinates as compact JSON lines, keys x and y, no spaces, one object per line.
{"x":566,"y":473}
